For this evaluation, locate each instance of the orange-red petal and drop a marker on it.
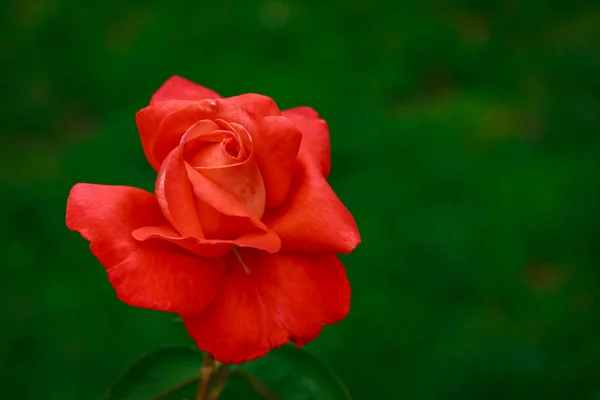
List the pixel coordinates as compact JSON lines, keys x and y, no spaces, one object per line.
{"x":281,"y":298}
{"x":157,"y":276}
{"x":221,"y":214}
{"x":276,"y":145}
{"x":148,"y":121}
{"x":313,"y":219}
{"x":162,"y":124}
{"x":303,"y":292}
{"x":176,"y":197}
{"x":304,"y":111}
{"x":256,"y":103}
{"x":276,"y":139}
{"x":241,"y":178}
{"x":178,"y":88}
{"x":267,"y":241}
{"x":315,"y":148}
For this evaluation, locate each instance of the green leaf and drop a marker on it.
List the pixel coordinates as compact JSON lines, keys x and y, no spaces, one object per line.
{"x":289,"y":372}
{"x":170,"y":373}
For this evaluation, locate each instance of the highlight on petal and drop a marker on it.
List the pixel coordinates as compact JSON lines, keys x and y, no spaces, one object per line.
{"x":313,"y":219}
{"x":159,"y":276}
{"x":178,"y":88}
{"x":282,"y":298}
{"x":316,"y":147}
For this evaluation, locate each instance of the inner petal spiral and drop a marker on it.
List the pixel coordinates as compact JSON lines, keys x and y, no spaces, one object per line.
{"x":208,"y":145}
{"x":223,"y":153}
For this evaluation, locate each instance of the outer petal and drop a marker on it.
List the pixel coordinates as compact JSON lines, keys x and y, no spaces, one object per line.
{"x":276,"y":145}
{"x":237,"y":327}
{"x":148,"y":121}
{"x":256,"y":103}
{"x":315,"y":147}
{"x":267,"y":241}
{"x":178,"y":88}
{"x":162,"y":124}
{"x":302,"y":292}
{"x":313,"y":219}
{"x":283,"y":297}
{"x":304,"y":111}
{"x":158,"y":276}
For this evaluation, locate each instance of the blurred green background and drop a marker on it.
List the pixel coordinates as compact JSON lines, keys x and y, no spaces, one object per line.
{"x":466,"y":141}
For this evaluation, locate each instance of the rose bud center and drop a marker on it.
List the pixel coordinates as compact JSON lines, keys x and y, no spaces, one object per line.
{"x":223,"y":152}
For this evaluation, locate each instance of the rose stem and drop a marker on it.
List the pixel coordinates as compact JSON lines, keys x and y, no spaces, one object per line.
{"x":206,"y":371}
{"x":219,"y":384}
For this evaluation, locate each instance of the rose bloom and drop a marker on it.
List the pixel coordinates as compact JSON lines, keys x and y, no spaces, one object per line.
{"x":241,"y":234}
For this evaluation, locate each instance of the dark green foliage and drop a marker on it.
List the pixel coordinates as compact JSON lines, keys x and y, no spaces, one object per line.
{"x":291,"y":373}
{"x":168,"y":373}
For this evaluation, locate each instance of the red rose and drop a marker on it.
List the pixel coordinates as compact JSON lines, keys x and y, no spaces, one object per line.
{"x":241,"y":233}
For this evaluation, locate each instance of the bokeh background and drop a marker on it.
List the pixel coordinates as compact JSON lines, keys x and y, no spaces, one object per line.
{"x":466,"y":141}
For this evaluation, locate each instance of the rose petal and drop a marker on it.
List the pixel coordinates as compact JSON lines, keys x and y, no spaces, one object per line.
{"x":313,"y":219}
{"x":202,"y":247}
{"x":204,"y":145}
{"x":221,"y":214}
{"x":283,"y":297}
{"x":207,"y":190}
{"x":148,"y":121}
{"x":176,"y":197}
{"x":242,"y":180}
{"x":304,"y":111}
{"x":162,"y":124}
{"x":303,"y":292}
{"x":245,"y":141}
{"x":276,"y":145}
{"x":267,"y":241}
{"x":178,"y":88}
{"x":276,"y":140}
{"x":315,"y":147}
{"x":237,"y":327}
{"x":256,"y":103}
{"x":157,"y":276}
{"x":197,"y":206}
